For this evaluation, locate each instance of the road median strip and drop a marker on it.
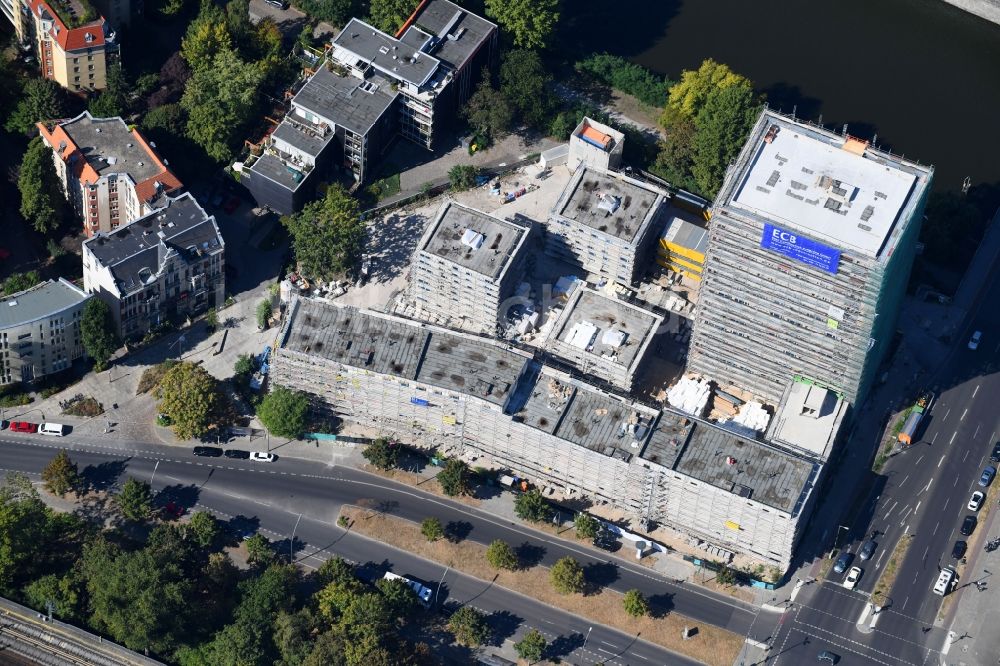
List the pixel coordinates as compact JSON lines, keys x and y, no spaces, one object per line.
{"x":710,"y":645}
{"x":880,"y":593}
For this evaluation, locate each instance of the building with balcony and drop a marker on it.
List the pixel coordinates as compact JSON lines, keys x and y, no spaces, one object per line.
{"x":370,"y":88}
{"x":466,"y":265}
{"x":165,"y":266}
{"x":607,"y":223}
{"x":40,"y":330}
{"x":110,"y":173}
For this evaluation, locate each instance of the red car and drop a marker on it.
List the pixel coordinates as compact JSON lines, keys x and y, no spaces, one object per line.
{"x":23,"y":426}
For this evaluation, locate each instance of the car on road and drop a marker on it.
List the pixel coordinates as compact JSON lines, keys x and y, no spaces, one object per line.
{"x":4,"y":424}
{"x":237,"y":454}
{"x":867,"y":549}
{"x":974,"y":340}
{"x":262,"y":456}
{"x":945,"y":581}
{"x":853,"y":576}
{"x":844,"y":561}
{"x":995,"y":456}
{"x":826,"y":655}
{"x":987,"y":476}
{"x":958,"y":552}
{"x":23,"y":426}
{"x":968,"y":526}
{"x":208,"y":451}
{"x":976,"y":501}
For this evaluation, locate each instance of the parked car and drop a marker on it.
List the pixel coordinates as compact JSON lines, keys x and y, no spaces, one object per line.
{"x":53,"y":429}
{"x":236,"y":453}
{"x":208,"y":451}
{"x":987,"y":476}
{"x":958,"y":552}
{"x":968,"y":526}
{"x":844,"y":561}
{"x":995,"y":456}
{"x":976,"y":501}
{"x":826,"y":655}
{"x":262,"y":456}
{"x":867,"y":549}
{"x":4,"y":424}
{"x":853,"y":576}
{"x":974,"y":340}
{"x":23,"y":426}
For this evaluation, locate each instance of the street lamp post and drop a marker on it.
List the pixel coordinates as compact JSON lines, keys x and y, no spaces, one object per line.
{"x":440,"y":583}
{"x":589,"y":629}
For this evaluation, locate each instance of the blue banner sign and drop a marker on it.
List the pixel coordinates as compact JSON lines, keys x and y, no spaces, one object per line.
{"x":419,"y":402}
{"x":799,"y":248}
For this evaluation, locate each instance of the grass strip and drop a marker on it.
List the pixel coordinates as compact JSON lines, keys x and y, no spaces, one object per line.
{"x":880,"y":593}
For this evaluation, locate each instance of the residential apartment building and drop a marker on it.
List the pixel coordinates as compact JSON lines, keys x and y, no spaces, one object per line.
{"x":607,"y":223}
{"x":165,"y":266}
{"x":810,"y":246}
{"x":76,"y":47}
{"x":40,"y":330}
{"x":466,"y":266}
{"x":369,"y":88}
{"x":110,"y":173}
{"x":473,"y":396}
{"x":603,"y":336}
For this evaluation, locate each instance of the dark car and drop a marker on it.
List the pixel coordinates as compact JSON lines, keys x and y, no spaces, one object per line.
{"x":968,"y":526}
{"x":844,"y":561}
{"x":826,"y":655}
{"x":236,"y":453}
{"x":607,"y":541}
{"x":995,"y":456}
{"x":23,"y":426}
{"x":987,"y":477}
{"x":867,"y":549}
{"x":958,"y":552}
{"x":207,"y":451}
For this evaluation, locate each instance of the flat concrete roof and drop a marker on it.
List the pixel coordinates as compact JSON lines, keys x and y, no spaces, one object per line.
{"x":679,"y":231}
{"x":272,"y":167}
{"x":296,"y":134}
{"x":39,"y":302}
{"x":459,"y":32}
{"x":606,"y":327}
{"x":608,"y":202}
{"x":829,"y":186}
{"x":472,"y":239}
{"x":110,"y":147}
{"x":348,"y":101}
{"x":809,"y":418}
{"x":393,"y":57}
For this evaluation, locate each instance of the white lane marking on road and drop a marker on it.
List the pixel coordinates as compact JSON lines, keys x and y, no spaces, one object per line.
{"x":964,"y":412}
{"x":933,"y":439}
{"x":639,"y":655}
{"x":942,"y":457}
{"x":904,"y":602}
{"x":890,"y":509}
{"x":905,"y":514}
{"x":945,"y":417}
{"x":610,"y":644}
{"x":927,"y":550}
{"x":949,"y":442}
{"x":975,"y":391}
{"x":946,"y":503}
{"x":966,"y":456}
{"x":928,"y":486}
{"x":917,"y":508}
{"x":878,"y":562}
{"x":904,"y":481}
{"x":956,"y":481}
{"x":922,"y":455}
{"x":976,"y":434}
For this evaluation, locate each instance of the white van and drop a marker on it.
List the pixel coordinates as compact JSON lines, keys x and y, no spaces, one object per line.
{"x":55,"y":429}
{"x":422,"y":591}
{"x":944,"y":581}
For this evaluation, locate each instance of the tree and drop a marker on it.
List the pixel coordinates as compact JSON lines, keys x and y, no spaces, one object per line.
{"x":462,"y":176}
{"x":19,"y":282}
{"x":283,"y":412}
{"x":212,"y":318}
{"x":135,"y":501}
{"x":204,"y":528}
{"x":244,"y":365}
{"x":488,"y":111}
{"x":191,"y":398}
{"x":689,"y":95}
{"x":221,"y":100}
{"x":454,"y":478}
{"x":626,"y":76}
{"x":501,"y":556}
{"x":259,"y":550}
{"x":40,"y":100}
{"x":62,"y":591}
{"x":532,"y":646}
{"x":207,"y":36}
{"x":527,"y":87}
{"x":42,"y":201}
{"x":389,"y":15}
{"x":338,"y":12}
{"x":676,"y":156}
{"x":383,"y":453}
{"x":327,"y":234}
{"x":586,"y":525}
{"x":61,"y":475}
{"x":726,"y":575}
{"x":953,"y":227}
{"x":334,"y":570}
{"x":635,"y":604}
{"x":432,"y":529}
{"x":293,"y":635}
{"x":97,"y":332}
{"x":723,"y":125}
{"x":264,"y":310}
{"x":469,"y":626}
{"x":24,"y":521}
{"x":399,"y":596}
{"x":567,"y":576}
{"x":532,"y":506}
{"x":333,"y":599}
{"x":529,"y":22}
{"x":113,"y":100}
{"x":168,"y":120}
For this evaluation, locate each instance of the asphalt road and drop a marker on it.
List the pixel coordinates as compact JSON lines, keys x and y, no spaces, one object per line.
{"x":926,"y":490}
{"x":273,"y":497}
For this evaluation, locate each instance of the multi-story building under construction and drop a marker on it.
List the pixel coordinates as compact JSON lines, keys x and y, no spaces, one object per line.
{"x":811,"y":242}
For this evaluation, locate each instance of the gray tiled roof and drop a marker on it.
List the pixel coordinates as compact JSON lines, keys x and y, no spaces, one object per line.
{"x":109,"y":147}
{"x":465,"y":34}
{"x":343,"y":100}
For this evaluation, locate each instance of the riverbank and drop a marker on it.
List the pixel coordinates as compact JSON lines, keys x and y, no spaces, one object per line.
{"x":984,"y":9}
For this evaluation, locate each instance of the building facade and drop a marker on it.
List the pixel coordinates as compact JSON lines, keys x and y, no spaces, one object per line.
{"x":682,"y":245}
{"x":370,"y":88}
{"x":40,"y":331}
{"x":596,"y":145}
{"x":811,"y":242}
{"x":467,"y":264}
{"x":607,"y":223}
{"x":109,"y":173}
{"x":165,"y":266}
{"x":76,"y":47}
{"x":435,"y":387}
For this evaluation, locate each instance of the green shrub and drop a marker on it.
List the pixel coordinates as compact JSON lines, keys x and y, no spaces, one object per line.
{"x":628,"y":77}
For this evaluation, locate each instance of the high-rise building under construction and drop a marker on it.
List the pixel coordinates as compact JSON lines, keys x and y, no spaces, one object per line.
{"x":810,"y":247}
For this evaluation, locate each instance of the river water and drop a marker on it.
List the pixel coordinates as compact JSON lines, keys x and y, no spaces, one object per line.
{"x":921,"y":74}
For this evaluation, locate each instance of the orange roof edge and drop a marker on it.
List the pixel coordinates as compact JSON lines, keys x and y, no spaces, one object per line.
{"x":409,"y":21}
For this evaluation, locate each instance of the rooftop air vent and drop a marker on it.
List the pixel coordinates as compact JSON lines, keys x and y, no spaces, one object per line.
{"x":129,"y":145}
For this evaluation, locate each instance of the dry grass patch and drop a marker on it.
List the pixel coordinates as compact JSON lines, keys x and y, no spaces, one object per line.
{"x":710,"y":645}
{"x":151,"y":376}
{"x":888,"y":578}
{"x":421,"y":483}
